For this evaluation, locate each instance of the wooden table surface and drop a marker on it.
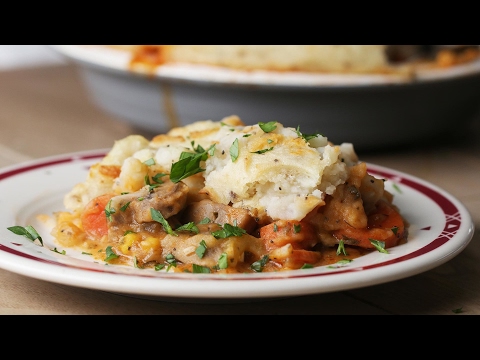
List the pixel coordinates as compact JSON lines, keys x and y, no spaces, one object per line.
{"x":46,"y":111}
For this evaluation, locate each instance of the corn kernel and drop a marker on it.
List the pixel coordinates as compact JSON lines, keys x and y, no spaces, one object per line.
{"x":128,"y":240}
{"x":150,"y":243}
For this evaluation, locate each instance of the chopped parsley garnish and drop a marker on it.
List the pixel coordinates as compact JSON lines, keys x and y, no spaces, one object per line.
{"x":109,"y":210}
{"x":171,"y":261}
{"x":223,"y":261}
{"x":150,"y":185}
{"x":341,"y":248}
{"x":379,"y":245}
{"x":159,"y":267}
{"x":307,"y":266}
{"x":234,"y":151}
{"x":110,"y":254}
{"x":124,"y":207}
{"x":28,"y":231}
{"x":188,"y":227}
{"x":262,"y":151}
{"x":149,"y":162}
{"x":157,"y":178}
{"x":306,"y":137}
{"x":258,"y":265}
{"x":268,"y":126}
{"x":227,"y":231}
{"x":198,"y":269}
{"x":211,"y":150}
{"x":397,"y":188}
{"x":63,"y":252}
{"x":201,"y":249}
{"x":199,"y":149}
{"x":157,"y":216}
{"x":189,"y":164}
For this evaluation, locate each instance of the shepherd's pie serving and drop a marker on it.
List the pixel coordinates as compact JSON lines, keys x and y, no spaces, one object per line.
{"x":223,"y":197}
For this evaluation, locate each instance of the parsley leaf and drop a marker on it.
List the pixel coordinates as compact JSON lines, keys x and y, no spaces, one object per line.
{"x":159,"y":267}
{"x":109,"y":210}
{"x":198,"y":269}
{"x":189,"y":227}
{"x":307,"y":266}
{"x":397,"y":188}
{"x":28,"y":231}
{"x":201,"y":249}
{"x":150,"y":185}
{"x":341,"y":248}
{"x":63,"y":252}
{"x":124,"y":207}
{"x":157,"y":216}
{"x":149,"y":162}
{"x":234,"y":151}
{"x":171,"y":261}
{"x":223,"y":261}
{"x":268,"y":126}
{"x":306,"y":137}
{"x":262,"y":151}
{"x":379,"y":245}
{"x":110,"y":254}
{"x":157,"y":178}
{"x":227,"y":231}
{"x":258,"y":265}
{"x":188,"y":165}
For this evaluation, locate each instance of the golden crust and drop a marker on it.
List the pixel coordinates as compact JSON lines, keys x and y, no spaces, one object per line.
{"x":276,"y":174}
{"x":305,"y":58}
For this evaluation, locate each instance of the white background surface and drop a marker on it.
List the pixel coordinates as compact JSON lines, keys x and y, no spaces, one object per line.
{"x":18,"y":56}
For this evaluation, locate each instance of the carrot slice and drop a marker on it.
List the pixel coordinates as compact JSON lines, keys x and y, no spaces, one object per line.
{"x":298,"y":258}
{"x":94,"y":219}
{"x":298,"y":233}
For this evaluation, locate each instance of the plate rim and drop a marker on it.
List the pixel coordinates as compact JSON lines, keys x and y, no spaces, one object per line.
{"x":292,"y":285}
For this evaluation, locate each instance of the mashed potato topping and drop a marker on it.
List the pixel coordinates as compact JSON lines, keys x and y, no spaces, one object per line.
{"x":276,"y":174}
{"x":226,"y":197}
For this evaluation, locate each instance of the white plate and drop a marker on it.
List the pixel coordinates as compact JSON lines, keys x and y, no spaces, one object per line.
{"x":440,"y":229}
